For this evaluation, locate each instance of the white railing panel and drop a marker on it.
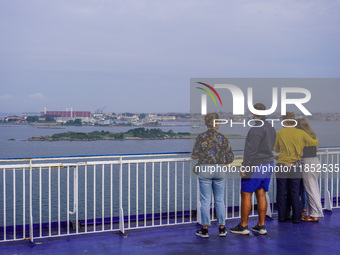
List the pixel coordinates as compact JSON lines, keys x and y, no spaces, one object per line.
{"x":45,"y":198}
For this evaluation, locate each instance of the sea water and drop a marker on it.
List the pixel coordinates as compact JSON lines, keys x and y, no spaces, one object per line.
{"x":14,"y":144}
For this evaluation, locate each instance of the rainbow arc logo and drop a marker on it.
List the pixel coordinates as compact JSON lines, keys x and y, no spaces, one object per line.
{"x":209,"y":93}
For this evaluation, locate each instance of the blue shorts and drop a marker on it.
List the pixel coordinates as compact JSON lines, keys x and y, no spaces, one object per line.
{"x":260,"y":178}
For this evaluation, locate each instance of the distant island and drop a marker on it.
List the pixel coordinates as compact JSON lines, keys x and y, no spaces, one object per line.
{"x":132,"y":134}
{"x":136,"y":133}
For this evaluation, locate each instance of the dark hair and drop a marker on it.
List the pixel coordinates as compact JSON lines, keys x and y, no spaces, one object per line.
{"x":291,"y":116}
{"x":260,"y":107}
{"x":209,"y":119}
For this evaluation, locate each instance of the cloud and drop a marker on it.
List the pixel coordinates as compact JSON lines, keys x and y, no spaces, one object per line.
{"x":37,"y":96}
{"x":4,"y":97}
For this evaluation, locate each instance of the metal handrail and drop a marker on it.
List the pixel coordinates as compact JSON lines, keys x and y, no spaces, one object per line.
{"x":168,"y":172}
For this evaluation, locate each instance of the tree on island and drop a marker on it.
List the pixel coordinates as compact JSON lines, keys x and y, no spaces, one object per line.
{"x":50,"y":119}
{"x":142,"y":116}
{"x":128,"y":114}
{"x":31,"y":119}
{"x":141,"y":133}
{"x":76,"y":122}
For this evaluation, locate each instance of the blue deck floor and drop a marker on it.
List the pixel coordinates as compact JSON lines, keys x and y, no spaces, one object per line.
{"x":282,"y":238}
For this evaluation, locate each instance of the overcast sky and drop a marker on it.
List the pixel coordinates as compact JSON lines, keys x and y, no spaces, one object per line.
{"x":139,"y":56}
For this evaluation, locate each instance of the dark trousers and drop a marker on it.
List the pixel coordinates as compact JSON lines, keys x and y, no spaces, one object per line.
{"x":288,"y":188}
{"x":303,"y":195}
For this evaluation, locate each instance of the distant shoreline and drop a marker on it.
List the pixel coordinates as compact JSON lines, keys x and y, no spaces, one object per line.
{"x":132,"y":134}
{"x":39,"y":139}
{"x":51,"y":125}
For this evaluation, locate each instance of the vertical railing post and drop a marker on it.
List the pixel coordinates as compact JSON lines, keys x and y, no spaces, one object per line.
{"x":75,"y":198}
{"x":103,"y":197}
{"x":68,"y":199}
{"x":327,"y":197}
{"x":199,"y":216}
{"x":121,"y":212}
{"x":75,"y":194}
{"x":183,"y":192}
{"x":31,"y":213}
{"x":233,"y":199}
{"x":175,"y":192}
{"x":14,"y":207}
{"x":226,"y":197}
{"x":337,"y":183}
{"x":75,"y":191}
{"x":153,"y":195}
{"x":273,"y":194}
{"x":190,"y":190}
{"x":239,"y":198}
{"x":59,"y":231}
{"x":4,"y":200}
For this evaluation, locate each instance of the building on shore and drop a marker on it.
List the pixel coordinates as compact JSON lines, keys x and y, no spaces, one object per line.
{"x":69,"y":114}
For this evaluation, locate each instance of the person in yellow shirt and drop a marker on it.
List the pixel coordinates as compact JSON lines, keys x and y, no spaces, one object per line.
{"x":290,"y":142}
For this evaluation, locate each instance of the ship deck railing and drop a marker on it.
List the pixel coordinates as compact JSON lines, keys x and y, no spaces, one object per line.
{"x":72,"y":195}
